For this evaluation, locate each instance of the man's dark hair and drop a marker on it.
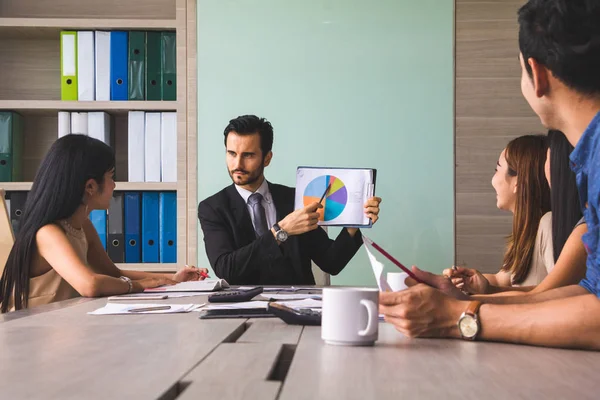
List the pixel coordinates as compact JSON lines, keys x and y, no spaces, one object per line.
{"x":250,"y":125}
{"x":564,"y":36}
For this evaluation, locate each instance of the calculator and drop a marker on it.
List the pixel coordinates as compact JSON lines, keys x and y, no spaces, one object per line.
{"x":292,"y":316}
{"x":235,"y":296}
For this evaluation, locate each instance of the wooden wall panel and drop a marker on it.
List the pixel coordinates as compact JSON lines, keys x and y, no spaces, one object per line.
{"x":490,"y":111}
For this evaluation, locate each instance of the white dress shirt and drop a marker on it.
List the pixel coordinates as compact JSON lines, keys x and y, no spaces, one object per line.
{"x":267,"y":203}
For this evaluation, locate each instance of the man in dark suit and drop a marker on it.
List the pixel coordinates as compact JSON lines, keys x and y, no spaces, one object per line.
{"x":252,"y":234}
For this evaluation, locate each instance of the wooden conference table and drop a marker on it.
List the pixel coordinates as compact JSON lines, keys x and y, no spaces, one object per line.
{"x":59,"y":352}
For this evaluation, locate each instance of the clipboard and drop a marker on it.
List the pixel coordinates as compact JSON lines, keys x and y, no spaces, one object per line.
{"x":342,"y":192}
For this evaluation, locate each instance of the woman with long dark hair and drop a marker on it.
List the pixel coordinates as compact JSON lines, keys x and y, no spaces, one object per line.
{"x":564,"y":254}
{"x":57,"y":253}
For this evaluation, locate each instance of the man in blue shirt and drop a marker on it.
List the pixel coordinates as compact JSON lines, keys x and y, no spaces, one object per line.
{"x":559,"y":44}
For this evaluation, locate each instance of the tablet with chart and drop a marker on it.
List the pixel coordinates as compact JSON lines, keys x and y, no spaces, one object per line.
{"x":341,"y":191}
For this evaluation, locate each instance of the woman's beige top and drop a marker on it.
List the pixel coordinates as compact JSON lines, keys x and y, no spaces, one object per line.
{"x":51,"y":287}
{"x":542,"y":261}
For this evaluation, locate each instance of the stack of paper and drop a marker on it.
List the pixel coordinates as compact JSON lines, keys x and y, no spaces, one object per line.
{"x":246,"y":305}
{"x":306,"y":303}
{"x":276,"y":289}
{"x":117,"y":308}
{"x":274,"y":296}
{"x":207,"y":285}
{"x":296,"y":304}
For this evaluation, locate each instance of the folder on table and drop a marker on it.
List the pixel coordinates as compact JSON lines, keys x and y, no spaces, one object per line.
{"x":133,"y":225}
{"x":99,"y":126}
{"x":17,"y":205}
{"x":150,"y":227}
{"x":136,"y":127}
{"x":152,"y":148}
{"x":64,"y":123}
{"x":68,"y":65}
{"x":137,"y":65}
{"x":169,"y":65}
{"x":153,"y":68}
{"x":11,"y":147}
{"x":168,"y":227}
{"x":102,"y":58}
{"x":115,"y":245}
{"x":118,"y":66}
{"x":79,"y":123}
{"x":98,"y":218}
{"x":85,"y":66}
{"x":168,"y":147}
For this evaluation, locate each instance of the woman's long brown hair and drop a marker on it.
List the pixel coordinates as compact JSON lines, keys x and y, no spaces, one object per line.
{"x":525,"y":157}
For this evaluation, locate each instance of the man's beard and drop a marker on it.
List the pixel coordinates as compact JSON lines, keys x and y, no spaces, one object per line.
{"x":247,"y":179}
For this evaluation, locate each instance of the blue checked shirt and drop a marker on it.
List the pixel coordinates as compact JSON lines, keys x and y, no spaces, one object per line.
{"x":585,"y":162}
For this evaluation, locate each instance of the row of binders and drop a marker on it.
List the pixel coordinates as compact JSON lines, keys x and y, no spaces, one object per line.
{"x":11,"y":146}
{"x":152,"y":140}
{"x":96,"y":124}
{"x":118,"y":65}
{"x":139,"y":227}
{"x":156,"y":134}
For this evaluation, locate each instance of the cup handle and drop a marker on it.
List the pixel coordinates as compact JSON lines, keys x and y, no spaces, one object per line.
{"x":372,"y":318}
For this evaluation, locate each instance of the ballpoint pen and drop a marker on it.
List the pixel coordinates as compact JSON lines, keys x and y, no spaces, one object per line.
{"x":325,"y":192}
{"x":159,"y":308}
{"x":201,"y":273}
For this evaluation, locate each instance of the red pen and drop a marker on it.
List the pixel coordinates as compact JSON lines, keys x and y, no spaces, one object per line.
{"x":201,"y":273}
{"x":392,"y":259}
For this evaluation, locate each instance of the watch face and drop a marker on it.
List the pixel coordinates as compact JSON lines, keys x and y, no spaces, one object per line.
{"x":282,"y":236}
{"x":468,"y":326}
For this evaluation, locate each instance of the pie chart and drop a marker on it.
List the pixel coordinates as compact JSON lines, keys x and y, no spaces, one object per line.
{"x":335,"y":199}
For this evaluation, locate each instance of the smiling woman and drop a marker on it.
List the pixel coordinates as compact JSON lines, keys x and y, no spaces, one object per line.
{"x":521,"y":188}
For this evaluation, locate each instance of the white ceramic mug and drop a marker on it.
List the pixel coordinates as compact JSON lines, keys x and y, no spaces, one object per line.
{"x":350,"y":316}
{"x":396,"y":280}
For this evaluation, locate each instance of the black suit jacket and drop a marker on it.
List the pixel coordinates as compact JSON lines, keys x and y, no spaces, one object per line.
{"x":241,"y":258}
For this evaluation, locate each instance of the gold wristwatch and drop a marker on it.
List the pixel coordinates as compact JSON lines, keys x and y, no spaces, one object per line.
{"x":468,"y":323}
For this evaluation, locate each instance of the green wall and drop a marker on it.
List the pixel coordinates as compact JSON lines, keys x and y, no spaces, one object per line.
{"x":366,"y":83}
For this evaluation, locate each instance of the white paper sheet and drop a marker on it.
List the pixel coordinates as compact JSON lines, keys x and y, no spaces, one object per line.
{"x":299,"y":296}
{"x":377,"y":270}
{"x":306,"y":303}
{"x":151,"y":296}
{"x":237,"y":306}
{"x":207,"y":285}
{"x":274,"y":289}
{"x":122,"y":309}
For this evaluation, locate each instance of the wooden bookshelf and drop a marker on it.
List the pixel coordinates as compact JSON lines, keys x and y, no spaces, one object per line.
{"x":44,"y":28}
{"x":121,"y":186}
{"x":51,"y":107}
{"x":30,"y":85}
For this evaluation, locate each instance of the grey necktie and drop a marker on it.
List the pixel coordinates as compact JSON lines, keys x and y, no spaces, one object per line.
{"x":258,"y":214}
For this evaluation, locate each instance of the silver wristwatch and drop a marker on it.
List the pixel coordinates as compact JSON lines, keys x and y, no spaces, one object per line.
{"x":468,"y":323}
{"x":280,"y":234}
{"x":126,"y":279}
